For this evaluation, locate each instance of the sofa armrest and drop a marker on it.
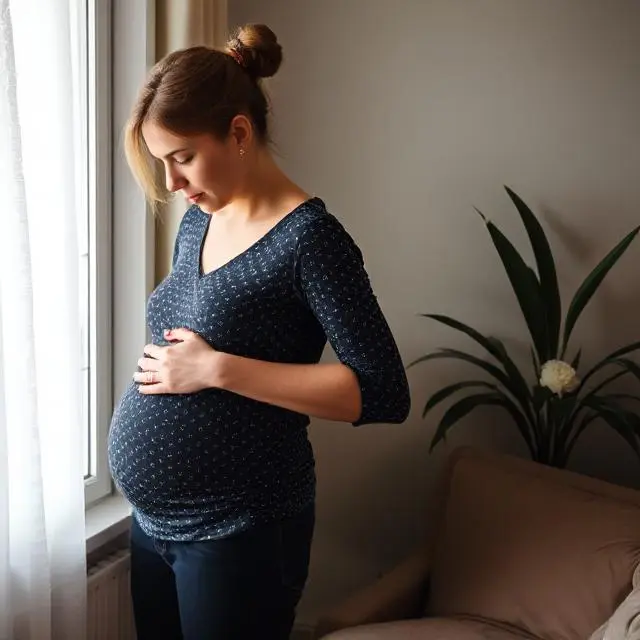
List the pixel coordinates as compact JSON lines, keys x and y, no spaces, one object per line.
{"x":398,"y":595}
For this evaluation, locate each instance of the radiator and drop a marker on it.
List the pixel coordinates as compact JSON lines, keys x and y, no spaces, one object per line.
{"x":109,"y":611}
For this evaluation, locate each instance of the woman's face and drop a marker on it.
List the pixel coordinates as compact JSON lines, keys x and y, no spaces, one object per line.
{"x":204,"y":169}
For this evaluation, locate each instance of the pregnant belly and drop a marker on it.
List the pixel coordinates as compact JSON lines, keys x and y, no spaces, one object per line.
{"x":183,"y":449}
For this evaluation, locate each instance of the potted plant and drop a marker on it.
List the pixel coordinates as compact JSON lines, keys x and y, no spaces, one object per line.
{"x":554,"y":411}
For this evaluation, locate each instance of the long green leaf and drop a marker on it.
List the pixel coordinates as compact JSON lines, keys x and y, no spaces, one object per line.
{"x":494,"y":347}
{"x":466,"y":405}
{"x":541,"y":395}
{"x":520,"y":389}
{"x":510,"y":384}
{"x":459,"y":410}
{"x":491,"y":369}
{"x":527,"y":429}
{"x":623,"y":351}
{"x":445,"y":392}
{"x":604,"y":383}
{"x":621,"y":421}
{"x":567,"y":413}
{"x":622,"y":396}
{"x":466,"y":329}
{"x":571,"y":413}
{"x":629,"y":366}
{"x":607,"y":360}
{"x":536,"y":363}
{"x":611,"y":403}
{"x":591,"y":284}
{"x":546,"y":271}
{"x":562,"y":408}
{"x":592,"y":393}
{"x":576,"y":360}
{"x":526,"y":288}
{"x":572,"y":438}
{"x":602,"y":407}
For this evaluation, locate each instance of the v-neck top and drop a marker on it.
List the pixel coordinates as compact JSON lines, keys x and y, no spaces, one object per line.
{"x":214,"y":463}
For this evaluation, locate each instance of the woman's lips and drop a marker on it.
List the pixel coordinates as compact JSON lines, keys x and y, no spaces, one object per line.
{"x":194,"y":199}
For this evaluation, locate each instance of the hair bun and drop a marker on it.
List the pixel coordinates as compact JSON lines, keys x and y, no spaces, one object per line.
{"x":256,"y":48}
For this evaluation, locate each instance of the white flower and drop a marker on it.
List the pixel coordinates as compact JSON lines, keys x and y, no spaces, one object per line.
{"x":559,"y":377}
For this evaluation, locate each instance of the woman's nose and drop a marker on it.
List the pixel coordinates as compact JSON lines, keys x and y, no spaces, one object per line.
{"x":174,"y":181}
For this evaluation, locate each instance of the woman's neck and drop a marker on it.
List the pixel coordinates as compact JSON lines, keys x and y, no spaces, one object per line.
{"x":266,"y":191}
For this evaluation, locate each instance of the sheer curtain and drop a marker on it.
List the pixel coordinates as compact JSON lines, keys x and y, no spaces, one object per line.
{"x":42,"y":547}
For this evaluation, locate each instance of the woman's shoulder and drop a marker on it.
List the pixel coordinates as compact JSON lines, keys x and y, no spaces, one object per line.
{"x":191,"y":223}
{"x":315,"y":222}
{"x":320,"y":233}
{"x":193,"y":216}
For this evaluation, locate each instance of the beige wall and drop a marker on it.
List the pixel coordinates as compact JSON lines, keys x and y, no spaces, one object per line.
{"x":402,"y":116}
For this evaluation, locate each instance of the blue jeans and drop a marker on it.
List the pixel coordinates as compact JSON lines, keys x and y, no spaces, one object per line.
{"x":237,"y":588}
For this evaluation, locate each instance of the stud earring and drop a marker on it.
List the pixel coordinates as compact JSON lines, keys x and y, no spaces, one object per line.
{"x":241,"y":152}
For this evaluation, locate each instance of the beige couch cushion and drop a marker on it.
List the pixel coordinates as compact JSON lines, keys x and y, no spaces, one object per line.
{"x":533,"y":548}
{"x":429,"y":629}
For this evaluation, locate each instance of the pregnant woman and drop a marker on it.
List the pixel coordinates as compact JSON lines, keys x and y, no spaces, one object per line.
{"x":209,"y":442}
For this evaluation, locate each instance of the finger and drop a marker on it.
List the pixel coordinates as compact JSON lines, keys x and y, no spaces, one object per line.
{"x":146,"y":377}
{"x":152,"y":389}
{"x":149,"y":364}
{"x":178,"y":334}
{"x":154,"y":351}
{"x":140,"y":377}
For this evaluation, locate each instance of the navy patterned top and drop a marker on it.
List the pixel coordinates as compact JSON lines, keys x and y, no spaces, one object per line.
{"x":212,"y":463}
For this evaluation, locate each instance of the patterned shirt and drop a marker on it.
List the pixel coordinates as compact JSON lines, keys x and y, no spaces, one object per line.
{"x":209,"y":464}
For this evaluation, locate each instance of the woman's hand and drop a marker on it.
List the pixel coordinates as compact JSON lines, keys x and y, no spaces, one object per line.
{"x":184,"y":367}
{"x":329,"y":391}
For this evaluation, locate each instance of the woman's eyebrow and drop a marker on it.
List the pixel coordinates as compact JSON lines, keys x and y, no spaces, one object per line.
{"x":173,"y":153}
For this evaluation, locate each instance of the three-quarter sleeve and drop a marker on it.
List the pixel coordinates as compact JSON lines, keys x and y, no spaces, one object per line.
{"x":332,"y":279}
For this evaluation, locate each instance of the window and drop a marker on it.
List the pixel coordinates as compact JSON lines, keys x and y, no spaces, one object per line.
{"x":94,"y":20}
{"x":119,"y":251}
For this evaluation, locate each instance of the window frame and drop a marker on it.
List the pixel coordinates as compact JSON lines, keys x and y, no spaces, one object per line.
{"x":98,"y":484}
{"x":124,"y":222}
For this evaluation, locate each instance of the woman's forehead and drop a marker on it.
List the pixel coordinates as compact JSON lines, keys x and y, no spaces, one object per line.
{"x":163,"y":143}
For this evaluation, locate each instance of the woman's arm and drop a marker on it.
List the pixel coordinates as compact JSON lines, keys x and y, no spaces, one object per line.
{"x":328,"y":391}
{"x":331,"y":278}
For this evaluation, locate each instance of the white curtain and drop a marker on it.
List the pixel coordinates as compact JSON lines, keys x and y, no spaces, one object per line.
{"x":42,"y":546}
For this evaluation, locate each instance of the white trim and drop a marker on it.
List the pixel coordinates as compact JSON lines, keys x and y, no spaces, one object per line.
{"x":133,"y":222}
{"x":123,"y":236}
{"x":129,"y":264}
{"x":101,"y":394}
{"x":106,"y":520}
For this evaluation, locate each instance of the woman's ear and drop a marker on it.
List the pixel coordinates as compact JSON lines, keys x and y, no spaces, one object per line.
{"x":241,"y":131}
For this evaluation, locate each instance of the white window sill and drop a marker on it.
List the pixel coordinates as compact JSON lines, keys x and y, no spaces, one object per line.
{"x":106,"y":520}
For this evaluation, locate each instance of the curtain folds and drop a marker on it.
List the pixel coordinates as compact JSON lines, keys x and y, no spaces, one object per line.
{"x":42,"y":536}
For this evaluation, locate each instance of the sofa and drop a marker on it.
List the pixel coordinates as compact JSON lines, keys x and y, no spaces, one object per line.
{"x":519,"y":550}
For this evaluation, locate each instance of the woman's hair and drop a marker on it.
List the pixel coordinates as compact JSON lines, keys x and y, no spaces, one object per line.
{"x":200,"y":90}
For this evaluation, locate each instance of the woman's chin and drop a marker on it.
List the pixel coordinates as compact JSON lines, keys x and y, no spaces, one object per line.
{"x":205,"y":205}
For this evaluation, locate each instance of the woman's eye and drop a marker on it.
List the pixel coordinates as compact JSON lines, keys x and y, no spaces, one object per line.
{"x":184,"y":161}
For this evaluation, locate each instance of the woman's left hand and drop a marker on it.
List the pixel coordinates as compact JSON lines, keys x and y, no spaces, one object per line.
{"x":184,"y":367}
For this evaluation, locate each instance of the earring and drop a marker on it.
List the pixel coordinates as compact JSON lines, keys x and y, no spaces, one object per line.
{"x":241,"y":152}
